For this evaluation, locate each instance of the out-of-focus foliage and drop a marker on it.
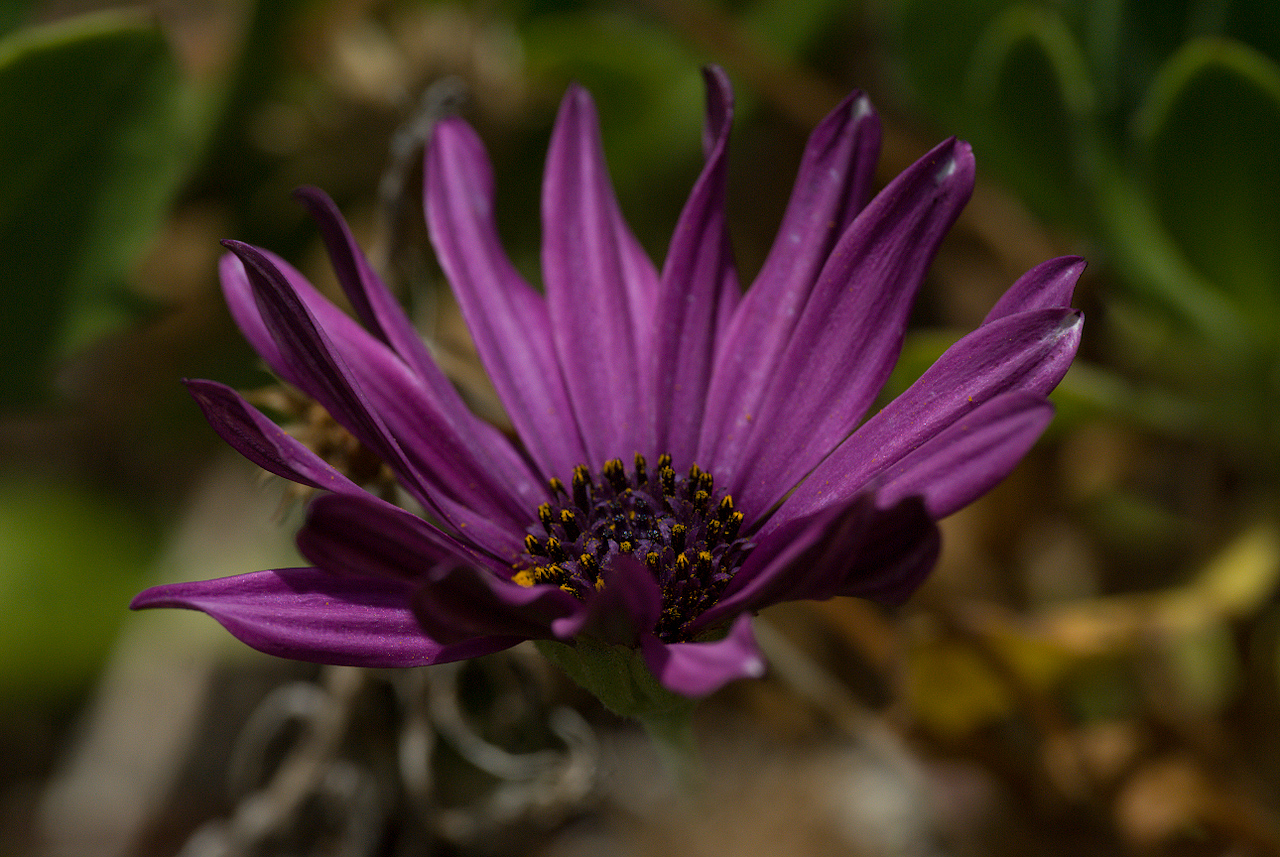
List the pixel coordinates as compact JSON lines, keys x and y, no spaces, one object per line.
{"x":97,"y":129}
{"x":69,"y":562}
{"x":1151,"y":128}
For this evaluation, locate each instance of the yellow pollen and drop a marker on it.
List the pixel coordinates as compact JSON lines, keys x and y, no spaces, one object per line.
{"x":523,"y":577}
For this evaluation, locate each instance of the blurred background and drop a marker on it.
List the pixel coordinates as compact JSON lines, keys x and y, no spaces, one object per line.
{"x":1093,"y":669}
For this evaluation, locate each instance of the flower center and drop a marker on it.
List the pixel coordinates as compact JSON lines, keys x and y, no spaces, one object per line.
{"x":672,"y":523}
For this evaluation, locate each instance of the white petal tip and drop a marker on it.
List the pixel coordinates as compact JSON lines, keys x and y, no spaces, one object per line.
{"x":947,"y":170}
{"x":861,"y":108}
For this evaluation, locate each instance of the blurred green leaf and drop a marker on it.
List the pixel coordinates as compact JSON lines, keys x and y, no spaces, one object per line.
{"x":935,"y":42}
{"x":69,"y":563}
{"x":1253,"y":22}
{"x":1029,"y":87}
{"x":12,"y":14}
{"x":1210,"y":129}
{"x":1127,"y":40}
{"x":1150,"y":259}
{"x":96,"y":131}
{"x":790,"y":26}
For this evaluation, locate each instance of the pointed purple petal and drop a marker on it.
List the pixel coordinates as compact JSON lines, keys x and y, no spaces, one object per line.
{"x":364,"y":536}
{"x":832,"y":186}
{"x":378,"y":399}
{"x":460,"y":603}
{"x":969,"y":457}
{"x":369,"y":296}
{"x":1029,"y":351}
{"x":422,"y":411}
{"x":849,"y":334}
{"x":865,"y":548}
{"x":628,"y":605}
{"x":698,"y":292}
{"x":244,"y":310}
{"x":308,"y":615}
{"x":385,"y":318}
{"x":508,"y":320}
{"x":1049,"y":284}
{"x":698,"y":669}
{"x":304,"y":355}
{"x":262,"y":441}
{"x":787,"y":566}
{"x":595,"y":280}
{"x":895,"y":560}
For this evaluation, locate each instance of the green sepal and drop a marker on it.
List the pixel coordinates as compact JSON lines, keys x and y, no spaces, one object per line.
{"x":619,"y":678}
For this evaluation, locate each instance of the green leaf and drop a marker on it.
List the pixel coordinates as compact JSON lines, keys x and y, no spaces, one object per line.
{"x":12,"y":13}
{"x":1153,"y":265}
{"x":791,"y":26}
{"x":1127,"y":40}
{"x":1210,"y":130}
{"x":96,"y":131}
{"x":1254,"y":22}
{"x":619,"y":678}
{"x":935,"y":42}
{"x":1030,"y":97}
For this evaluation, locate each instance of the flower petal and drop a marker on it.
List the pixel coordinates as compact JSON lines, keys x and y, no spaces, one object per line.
{"x":1029,"y":351}
{"x":698,"y":669}
{"x":856,"y":549}
{"x":698,"y":292}
{"x":832,"y":186}
{"x":628,"y":604}
{"x":364,"y":536}
{"x":598,"y":286}
{"x":263,"y":442}
{"x":966,"y":460}
{"x":785,"y":566}
{"x":459,"y":603}
{"x":893,"y":563}
{"x":384,"y":317}
{"x":436,"y":413}
{"x":378,"y":399}
{"x":308,"y":615}
{"x":849,"y":333}
{"x":508,"y":320}
{"x":369,"y":296}
{"x":1049,"y":284}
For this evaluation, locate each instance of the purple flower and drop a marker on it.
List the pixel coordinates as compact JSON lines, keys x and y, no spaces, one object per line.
{"x":687,"y":453}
